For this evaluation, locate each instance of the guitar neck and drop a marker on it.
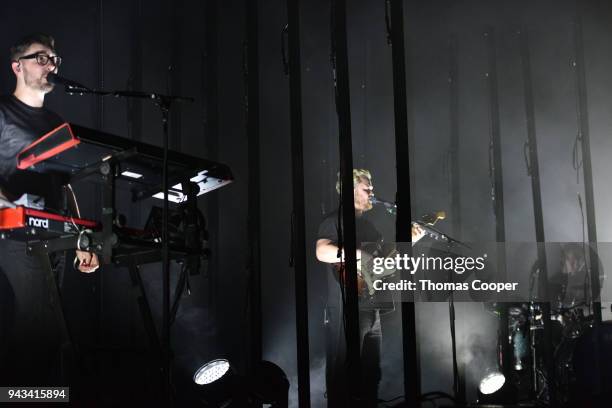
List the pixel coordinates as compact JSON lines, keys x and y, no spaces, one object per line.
{"x":431,"y":232}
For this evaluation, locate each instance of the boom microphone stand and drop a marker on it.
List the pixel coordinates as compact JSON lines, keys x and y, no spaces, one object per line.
{"x":450,"y":243}
{"x":164,"y":102}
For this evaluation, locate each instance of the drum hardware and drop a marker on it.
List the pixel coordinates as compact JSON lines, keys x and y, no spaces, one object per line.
{"x":574,"y":338}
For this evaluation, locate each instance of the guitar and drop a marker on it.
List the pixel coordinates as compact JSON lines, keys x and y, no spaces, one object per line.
{"x":365,"y":275}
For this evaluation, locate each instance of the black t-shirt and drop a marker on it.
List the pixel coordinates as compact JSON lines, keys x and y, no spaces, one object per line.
{"x":365,"y":232}
{"x":20,"y":125}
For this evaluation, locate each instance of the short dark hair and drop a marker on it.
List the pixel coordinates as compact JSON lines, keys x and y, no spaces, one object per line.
{"x":20,"y":47}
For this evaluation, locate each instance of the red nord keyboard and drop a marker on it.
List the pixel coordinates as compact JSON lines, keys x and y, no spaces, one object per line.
{"x":22,"y":223}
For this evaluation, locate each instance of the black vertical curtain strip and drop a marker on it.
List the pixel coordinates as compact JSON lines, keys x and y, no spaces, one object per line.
{"x":348,"y":240}
{"x":134,"y":82}
{"x":165,"y":269}
{"x":584,"y":136}
{"x":497,"y":188}
{"x":99,"y":24}
{"x":254,"y":212}
{"x":363,"y":161}
{"x":458,"y":365}
{"x":166,"y":335}
{"x":99,"y":121}
{"x":582,"y":112}
{"x":330,"y":169}
{"x":532,"y":148}
{"x":210,"y":112}
{"x":455,"y":179}
{"x":496,"y":169}
{"x":299,"y":227}
{"x":174,"y":70}
{"x":412,"y":375}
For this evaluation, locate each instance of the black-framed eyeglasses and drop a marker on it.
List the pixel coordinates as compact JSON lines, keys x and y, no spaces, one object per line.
{"x":43,"y":58}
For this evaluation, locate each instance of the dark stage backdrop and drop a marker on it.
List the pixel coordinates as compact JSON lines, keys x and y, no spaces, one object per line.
{"x":163,"y":46}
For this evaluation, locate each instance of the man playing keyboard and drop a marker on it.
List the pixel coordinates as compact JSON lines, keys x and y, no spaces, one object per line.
{"x":29,"y":336}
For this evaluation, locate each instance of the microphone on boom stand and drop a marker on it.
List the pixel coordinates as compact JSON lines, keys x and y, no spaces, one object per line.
{"x":71,"y":86}
{"x":389,"y":206}
{"x":428,"y":219}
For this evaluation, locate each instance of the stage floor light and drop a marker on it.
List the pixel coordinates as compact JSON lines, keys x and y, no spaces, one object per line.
{"x":211,"y":371}
{"x":491,"y":383}
{"x":219,"y":384}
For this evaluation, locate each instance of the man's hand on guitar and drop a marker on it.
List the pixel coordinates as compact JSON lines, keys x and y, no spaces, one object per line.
{"x":88,"y":261}
{"x":417,"y":233}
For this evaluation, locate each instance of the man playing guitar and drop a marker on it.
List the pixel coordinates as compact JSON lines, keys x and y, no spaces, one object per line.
{"x":369,"y":317}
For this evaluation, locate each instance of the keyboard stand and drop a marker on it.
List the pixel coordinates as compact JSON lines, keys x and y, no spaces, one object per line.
{"x":68,"y":346}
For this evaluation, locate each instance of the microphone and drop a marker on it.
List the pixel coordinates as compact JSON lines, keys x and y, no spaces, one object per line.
{"x":71,"y":86}
{"x":389,"y":206}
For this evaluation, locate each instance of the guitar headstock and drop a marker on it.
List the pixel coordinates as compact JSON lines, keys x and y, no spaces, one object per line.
{"x":432,"y":218}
